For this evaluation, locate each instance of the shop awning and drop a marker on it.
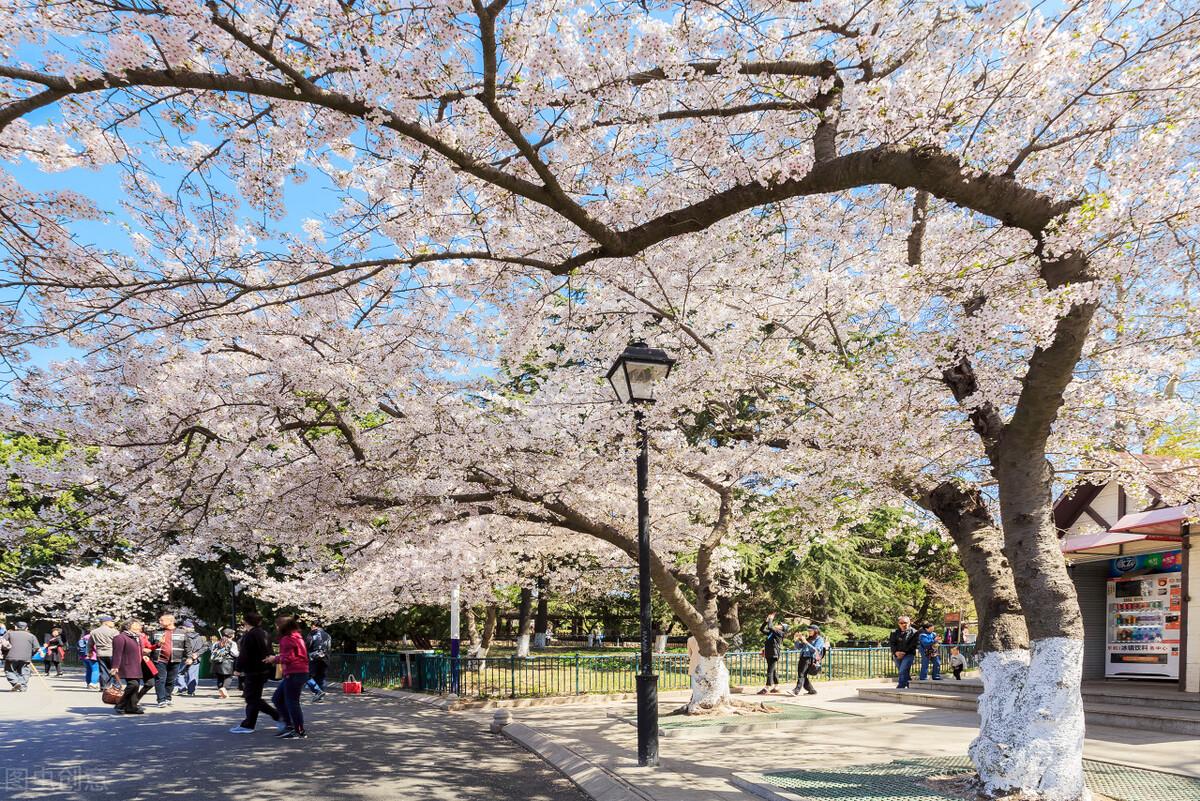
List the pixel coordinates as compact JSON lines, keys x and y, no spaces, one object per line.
{"x":1167,"y":521}
{"x":1102,"y":539}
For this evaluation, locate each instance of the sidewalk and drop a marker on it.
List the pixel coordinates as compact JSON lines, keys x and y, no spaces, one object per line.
{"x":699,"y":767}
{"x":61,"y":743}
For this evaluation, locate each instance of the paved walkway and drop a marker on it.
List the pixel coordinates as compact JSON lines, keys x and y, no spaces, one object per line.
{"x":58,"y":741}
{"x":698,"y":768}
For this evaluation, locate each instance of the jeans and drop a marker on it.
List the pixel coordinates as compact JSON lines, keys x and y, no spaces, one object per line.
{"x":164,"y":682}
{"x":802,"y":678}
{"x":104,"y":664}
{"x":17,"y":672}
{"x":904,"y":665}
{"x":188,"y":677}
{"x":316,"y":675}
{"x":287,"y":699}
{"x":936,"y":662}
{"x":252,"y":690}
{"x":129,"y":701}
{"x":91,"y":672}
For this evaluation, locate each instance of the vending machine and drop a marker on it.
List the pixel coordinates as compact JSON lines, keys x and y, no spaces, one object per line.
{"x":1143,"y":619}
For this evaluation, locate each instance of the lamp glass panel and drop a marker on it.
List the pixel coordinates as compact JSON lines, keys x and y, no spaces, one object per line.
{"x":642,"y":377}
{"x":619,"y":384}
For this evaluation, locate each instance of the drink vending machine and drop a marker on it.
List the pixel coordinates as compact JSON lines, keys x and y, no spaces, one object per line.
{"x":1143,"y":626}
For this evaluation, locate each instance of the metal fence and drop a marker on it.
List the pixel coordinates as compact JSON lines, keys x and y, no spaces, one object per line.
{"x":577,"y":674}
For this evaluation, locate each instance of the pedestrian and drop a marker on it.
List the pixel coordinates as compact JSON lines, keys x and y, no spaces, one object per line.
{"x":254,"y":648}
{"x":189,"y":668}
{"x":928,"y":641}
{"x":812,"y":654}
{"x":54,"y":650}
{"x":958,"y":663}
{"x":173,"y":650}
{"x":129,"y":663}
{"x":293,"y":658}
{"x":902,"y":642}
{"x":102,"y":643}
{"x":19,"y":646}
{"x":319,"y":645}
{"x":87,"y":656}
{"x":772,"y":645}
{"x":222,"y":656}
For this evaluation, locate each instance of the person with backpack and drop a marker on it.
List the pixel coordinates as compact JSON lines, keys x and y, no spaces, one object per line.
{"x":772,"y":646}
{"x":812,"y":655}
{"x":254,"y":649}
{"x":929,"y":643}
{"x":319,"y":645}
{"x":222,"y":656}
{"x":293,"y":658}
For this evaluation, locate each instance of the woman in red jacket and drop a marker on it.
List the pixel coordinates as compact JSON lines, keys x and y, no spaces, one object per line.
{"x":293,"y":656}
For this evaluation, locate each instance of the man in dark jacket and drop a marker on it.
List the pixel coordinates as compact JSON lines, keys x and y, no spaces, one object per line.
{"x":903,"y":644}
{"x":319,"y":643}
{"x":772,"y":646}
{"x":189,"y":669}
{"x":18,"y":656}
{"x":253,"y":648}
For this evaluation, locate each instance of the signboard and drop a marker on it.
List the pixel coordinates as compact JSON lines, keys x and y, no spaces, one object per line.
{"x":953,"y":618}
{"x":1142,"y":563}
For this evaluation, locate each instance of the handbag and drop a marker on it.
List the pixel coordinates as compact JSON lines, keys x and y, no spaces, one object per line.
{"x":111,"y":694}
{"x":352,"y":686}
{"x":814,"y":667}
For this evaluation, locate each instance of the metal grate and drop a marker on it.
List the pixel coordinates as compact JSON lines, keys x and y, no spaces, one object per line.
{"x":901,"y":781}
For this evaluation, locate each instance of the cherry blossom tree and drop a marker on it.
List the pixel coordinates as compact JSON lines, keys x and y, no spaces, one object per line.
{"x":999,"y":196}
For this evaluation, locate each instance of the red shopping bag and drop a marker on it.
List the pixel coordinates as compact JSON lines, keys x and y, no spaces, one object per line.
{"x":352,"y":686}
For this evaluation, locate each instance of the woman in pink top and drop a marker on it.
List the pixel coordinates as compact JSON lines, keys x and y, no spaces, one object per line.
{"x":293,"y":657}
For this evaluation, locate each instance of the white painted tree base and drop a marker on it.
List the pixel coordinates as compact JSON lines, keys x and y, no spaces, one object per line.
{"x":710,"y":685}
{"x":1030,"y":742}
{"x":522,"y":646}
{"x":660,"y":644}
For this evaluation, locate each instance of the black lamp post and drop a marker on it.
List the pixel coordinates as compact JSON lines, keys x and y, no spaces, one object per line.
{"x":232,"y":598}
{"x":633,"y":376}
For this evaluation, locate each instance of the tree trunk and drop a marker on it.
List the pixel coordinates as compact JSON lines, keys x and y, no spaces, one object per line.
{"x":1047,"y":762}
{"x":489,"y":630}
{"x":472,"y":632}
{"x":1002,"y":640}
{"x":730,"y":623}
{"x":542,"y":620}
{"x":710,"y":685}
{"x":524,"y":623}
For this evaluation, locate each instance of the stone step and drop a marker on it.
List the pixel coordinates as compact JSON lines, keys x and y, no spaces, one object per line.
{"x":1121,"y":715}
{"x":1117,"y":693}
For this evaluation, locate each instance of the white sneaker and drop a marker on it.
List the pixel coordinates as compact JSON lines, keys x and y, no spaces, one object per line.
{"x":241,"y":730}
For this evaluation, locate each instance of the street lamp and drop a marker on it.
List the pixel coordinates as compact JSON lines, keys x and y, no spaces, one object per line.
{"x":633,"y":376}
{"x":232,"y":597}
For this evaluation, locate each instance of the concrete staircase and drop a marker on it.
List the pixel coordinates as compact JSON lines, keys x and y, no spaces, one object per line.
{"x":1117,"y":704}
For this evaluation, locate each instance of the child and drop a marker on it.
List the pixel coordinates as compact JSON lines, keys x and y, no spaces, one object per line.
{"x":958,"y":663}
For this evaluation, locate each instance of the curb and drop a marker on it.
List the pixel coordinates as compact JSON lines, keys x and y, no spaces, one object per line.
{"x":592,"y":780}
{"x":431,"y":701}
{"x":451,"y":704}
{"x":749,"y":782}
